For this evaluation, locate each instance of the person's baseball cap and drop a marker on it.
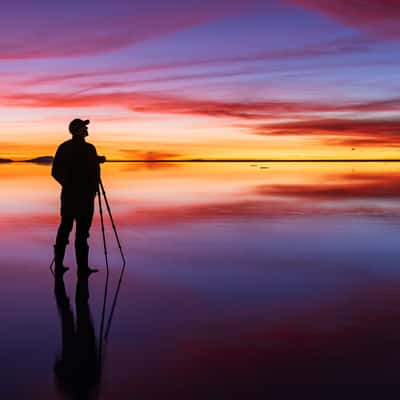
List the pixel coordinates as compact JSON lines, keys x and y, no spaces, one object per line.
{"x":76,"y":124}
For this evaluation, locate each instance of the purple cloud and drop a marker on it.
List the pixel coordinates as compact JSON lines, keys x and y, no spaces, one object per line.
{"x":61,"y":30}
{"x":377,"y":17}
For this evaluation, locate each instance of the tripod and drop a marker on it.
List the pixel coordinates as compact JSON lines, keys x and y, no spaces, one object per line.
{"x":102,"y":192}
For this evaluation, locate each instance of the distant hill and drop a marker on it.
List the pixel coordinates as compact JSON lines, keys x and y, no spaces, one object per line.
{"x":5,"y":160}
{"x":41,"y":160}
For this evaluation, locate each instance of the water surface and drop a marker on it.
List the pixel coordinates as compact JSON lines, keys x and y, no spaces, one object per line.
{"x":238,"y":276}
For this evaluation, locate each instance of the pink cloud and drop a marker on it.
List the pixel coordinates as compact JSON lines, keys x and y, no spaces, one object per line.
{"x":378,"y":17}
{"x":148,"y":102}
{"x":61,"y":32}
{"x":349,"y":131}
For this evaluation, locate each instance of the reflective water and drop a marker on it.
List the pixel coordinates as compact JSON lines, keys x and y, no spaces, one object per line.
{"x":237,"y":276}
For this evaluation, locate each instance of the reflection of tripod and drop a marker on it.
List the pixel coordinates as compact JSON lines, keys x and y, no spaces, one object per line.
{"x":102,"y":192}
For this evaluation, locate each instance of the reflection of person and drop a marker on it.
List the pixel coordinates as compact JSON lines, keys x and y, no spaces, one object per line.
{"x":77,"y":369}
{"x":76,"y":168}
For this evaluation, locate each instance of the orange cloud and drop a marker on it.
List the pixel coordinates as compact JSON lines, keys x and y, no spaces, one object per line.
{"x":133,"y":154}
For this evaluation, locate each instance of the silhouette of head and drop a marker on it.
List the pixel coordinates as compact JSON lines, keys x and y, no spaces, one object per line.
{"x":78,"y":127}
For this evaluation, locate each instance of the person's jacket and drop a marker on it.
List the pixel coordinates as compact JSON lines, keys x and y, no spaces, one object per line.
{"x":76,"y":166}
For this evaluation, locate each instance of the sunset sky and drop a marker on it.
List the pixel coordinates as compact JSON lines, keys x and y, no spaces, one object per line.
{"x":181,"y":79}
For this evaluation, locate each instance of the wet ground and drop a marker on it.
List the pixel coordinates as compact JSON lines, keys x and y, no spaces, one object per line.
{"x":238,"y":276}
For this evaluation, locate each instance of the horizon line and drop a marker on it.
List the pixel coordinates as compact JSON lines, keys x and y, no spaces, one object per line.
{"x":34,"y":160}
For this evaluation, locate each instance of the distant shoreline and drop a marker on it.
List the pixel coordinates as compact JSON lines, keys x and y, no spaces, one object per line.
{"x":248,"y":161}
{"x":7,"y":161}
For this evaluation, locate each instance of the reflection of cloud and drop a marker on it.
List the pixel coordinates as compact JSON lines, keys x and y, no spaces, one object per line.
{"x":297,"y":349}
{"x":349,"y":338}
{"x":148,"y":166}
{"x":246,"y":209}
{"x":357,"y":186}
{"x":293,"y":200}
{"x":178,"y":214}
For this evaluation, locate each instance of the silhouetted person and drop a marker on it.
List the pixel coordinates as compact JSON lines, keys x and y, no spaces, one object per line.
{"x":77,"y":369}
{"x":76,"y":168}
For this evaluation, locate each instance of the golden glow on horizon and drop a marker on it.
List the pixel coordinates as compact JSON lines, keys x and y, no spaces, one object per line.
{"x":216,"y":150}
{"x":180,"y":138}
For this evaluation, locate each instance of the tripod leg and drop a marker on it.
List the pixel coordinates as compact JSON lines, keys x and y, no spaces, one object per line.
{"x":114,"y":303}
{"x":112,"y":222}
{"x":103,"y":311}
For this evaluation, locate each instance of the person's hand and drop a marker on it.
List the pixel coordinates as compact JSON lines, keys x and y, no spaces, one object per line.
{"x":101,"y":159}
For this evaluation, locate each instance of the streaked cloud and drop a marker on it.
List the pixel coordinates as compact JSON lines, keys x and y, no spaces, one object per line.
{"x":347,"y":131}
{"x":59,"y":31}
{"x":373,"y":16}
{"x":172,"y":104}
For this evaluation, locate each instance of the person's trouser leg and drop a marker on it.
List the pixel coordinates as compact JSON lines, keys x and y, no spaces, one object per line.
{"x":62,"y":239}
{"x":83,"y":224}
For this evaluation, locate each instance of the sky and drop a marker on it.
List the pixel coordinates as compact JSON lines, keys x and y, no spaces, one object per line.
{"x":184,"y":79}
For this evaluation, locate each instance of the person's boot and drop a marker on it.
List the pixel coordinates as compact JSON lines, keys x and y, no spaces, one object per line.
{"x":82,"y":255}
{"x":59,"y":252}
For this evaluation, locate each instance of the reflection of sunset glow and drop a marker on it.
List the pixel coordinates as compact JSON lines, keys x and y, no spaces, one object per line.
{"x":167,"y":193}
{"x":232,"y":262}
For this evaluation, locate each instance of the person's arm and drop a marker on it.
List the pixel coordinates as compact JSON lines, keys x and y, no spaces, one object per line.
{"x":94,"y":169}
{"x":59,"y":167}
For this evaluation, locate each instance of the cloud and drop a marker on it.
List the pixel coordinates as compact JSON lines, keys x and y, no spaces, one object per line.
{"x":59,"y":31}
{"x":152,"y":155}
{"x":353,"y":124}
{"x":377,"y":17}
{"x":369,"y":132}
{"x":326,"y":48}
{"x":150,"y":102}
{"x":366,"y":141}
{"x":100,"y":36}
